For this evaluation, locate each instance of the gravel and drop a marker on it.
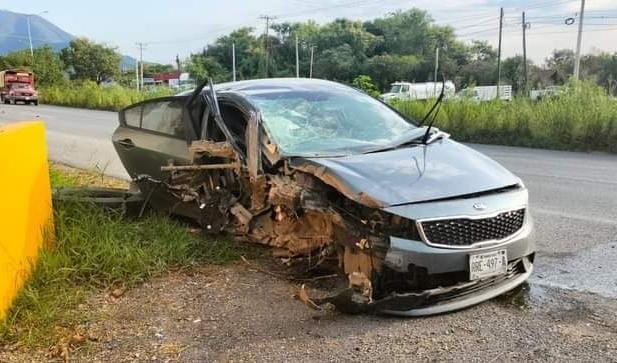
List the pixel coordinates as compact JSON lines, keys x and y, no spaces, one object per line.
{"x":236,"y":314}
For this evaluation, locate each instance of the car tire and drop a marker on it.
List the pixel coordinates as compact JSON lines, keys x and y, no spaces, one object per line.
{"x":127,"y":201}
{"x":36,"y":103}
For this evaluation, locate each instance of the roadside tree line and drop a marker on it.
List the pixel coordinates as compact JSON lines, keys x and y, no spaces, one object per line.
{"x":399,"y":46}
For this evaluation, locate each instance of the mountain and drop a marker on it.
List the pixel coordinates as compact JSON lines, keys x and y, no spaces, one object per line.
{"x":14,"y":32}
{"x":14,"y":35}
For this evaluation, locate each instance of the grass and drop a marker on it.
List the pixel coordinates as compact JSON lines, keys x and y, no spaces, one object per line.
{"x":584,"y":119}
{"x":96,"y":250}
{"x":92,"y":96}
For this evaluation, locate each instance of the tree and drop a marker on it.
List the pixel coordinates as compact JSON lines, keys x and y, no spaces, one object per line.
{"x":365,"y":83}
{"x":337,"y":63}
{"x":91,"y":61}
{"x":202,"y":67}
{"x":561,"y":64}
{"x":47,"y":67}
{"x":385,"y":69}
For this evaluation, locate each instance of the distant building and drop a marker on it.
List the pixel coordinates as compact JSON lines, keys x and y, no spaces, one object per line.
{"x":167,"y":78}
{"x":175,"y":79}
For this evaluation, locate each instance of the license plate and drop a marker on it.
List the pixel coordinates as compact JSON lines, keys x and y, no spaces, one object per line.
{"x":488,"y":264}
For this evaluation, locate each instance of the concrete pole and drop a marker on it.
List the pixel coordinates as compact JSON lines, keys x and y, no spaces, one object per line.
{"x":297,"y":59}
{"x":436,"y":70}
{"x":311,"y":66}
{"x":233,"y":59}
{"x":579,"y":41}
{"x":499,"y":53}
{"x":524,"y":56}
{"x":30,"y":38}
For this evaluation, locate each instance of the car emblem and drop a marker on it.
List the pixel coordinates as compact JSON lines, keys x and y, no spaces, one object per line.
{"x":479,"y":206}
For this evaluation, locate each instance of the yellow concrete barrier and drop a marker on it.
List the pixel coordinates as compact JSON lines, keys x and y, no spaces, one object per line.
{"x":25,"y":205}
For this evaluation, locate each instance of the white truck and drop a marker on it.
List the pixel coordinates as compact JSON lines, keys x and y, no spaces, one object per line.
{"x":418,"y":91}
{"x":486,"y":93}
{"x":546,"y":93}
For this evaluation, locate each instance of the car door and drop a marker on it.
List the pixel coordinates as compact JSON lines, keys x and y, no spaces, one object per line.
{"x":151,"y":134}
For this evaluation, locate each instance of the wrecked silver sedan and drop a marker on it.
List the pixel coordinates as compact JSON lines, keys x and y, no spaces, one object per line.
{"x":415,"y":222}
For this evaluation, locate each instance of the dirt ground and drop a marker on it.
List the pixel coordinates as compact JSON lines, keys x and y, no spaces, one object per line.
{"x":233,"y":313}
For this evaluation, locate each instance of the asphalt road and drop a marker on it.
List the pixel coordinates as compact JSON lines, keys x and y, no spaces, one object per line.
{"x":573,"y":202}
{"x":573,"y":195}
{"x":76,"y":137}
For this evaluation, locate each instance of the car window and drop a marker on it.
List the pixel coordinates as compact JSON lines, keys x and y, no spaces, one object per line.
{"x":405,"y":89}
{"x":164,"y":117}
{"x":132,"y":116}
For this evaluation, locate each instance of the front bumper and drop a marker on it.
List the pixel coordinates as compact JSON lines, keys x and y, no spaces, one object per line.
{"x":460,"y":296}
{"x":25,"y":98}
{"x":405,"y":255}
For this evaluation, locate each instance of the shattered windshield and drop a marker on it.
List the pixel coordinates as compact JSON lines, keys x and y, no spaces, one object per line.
{"x":327,"y":121}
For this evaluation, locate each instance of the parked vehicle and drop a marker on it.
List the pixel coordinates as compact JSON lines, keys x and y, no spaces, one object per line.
{"x":486,"y":93}
{"x":406,"y":91}
{"x":546,"y":93}
{"x":18,"y":86}
{"x":333,"y":179}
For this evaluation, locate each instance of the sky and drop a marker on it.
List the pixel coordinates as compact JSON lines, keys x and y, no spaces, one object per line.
{"x":184,"y":26}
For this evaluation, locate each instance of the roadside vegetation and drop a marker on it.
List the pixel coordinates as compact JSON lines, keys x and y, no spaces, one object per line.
{"x":97,"y":250}
{"x":90,"y":95}
{"x":583,"y":118}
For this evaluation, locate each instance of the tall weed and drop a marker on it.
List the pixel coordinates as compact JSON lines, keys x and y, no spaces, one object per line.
{"x":583,"y":118}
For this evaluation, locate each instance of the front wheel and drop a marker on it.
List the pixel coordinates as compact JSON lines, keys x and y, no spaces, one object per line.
{"x":36,"y":103}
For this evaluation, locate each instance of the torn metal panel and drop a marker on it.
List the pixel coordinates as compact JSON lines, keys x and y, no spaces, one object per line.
{"x":322,"y":173}
{"x":203,"y":148}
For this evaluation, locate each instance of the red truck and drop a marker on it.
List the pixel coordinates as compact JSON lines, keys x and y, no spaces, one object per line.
{"x":18,"y":86}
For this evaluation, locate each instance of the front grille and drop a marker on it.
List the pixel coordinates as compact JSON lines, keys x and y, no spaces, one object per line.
{"x":464,"y":232}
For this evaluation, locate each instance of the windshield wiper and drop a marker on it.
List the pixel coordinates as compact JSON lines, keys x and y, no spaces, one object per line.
{"x":435,"y":108}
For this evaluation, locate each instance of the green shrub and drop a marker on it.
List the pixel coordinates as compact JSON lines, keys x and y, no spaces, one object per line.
{"x":583,"y":118}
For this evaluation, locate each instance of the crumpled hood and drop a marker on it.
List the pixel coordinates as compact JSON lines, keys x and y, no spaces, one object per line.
{"x":442,"y":169}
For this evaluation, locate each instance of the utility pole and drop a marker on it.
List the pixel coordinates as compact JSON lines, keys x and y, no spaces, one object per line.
{"x":436,"y":70}
{"x":297,"y":59}
{"x":178,"y":63}
{"x":524,"y":55}
{"x":267,"y":18}
{"x":233,"y":60}
{"x":30,"y":33}
{"x":499,"y":52}
{"x":579,"y":40}
{"x":311,"y":66}
{"x":30,"y":39}
{"x":141,"y":64}
{"x":137,"y":74}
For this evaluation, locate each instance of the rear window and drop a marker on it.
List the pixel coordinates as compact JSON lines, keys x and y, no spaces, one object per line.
{"x":164,"y":117}
{"x":132,"y":116}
